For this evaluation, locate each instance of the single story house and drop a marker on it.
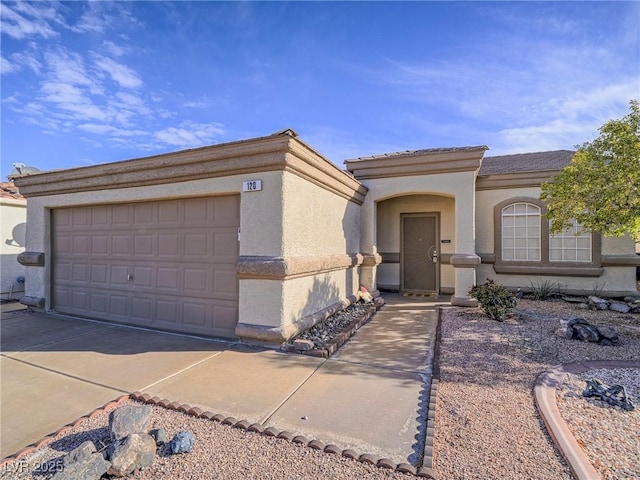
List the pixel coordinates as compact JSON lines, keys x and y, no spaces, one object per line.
{"x":258,"y":239}
{"x":13,"y":212}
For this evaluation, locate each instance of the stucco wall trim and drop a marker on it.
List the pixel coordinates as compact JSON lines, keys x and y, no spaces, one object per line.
{"x":371,"y":259}
{"x":628,"y":260}
{"x":281,"y":268}
{"x":514,"y":180}
{"x":31,"y":259}
{"x":416,"y":163}
{"x":273,"y":153}
{"x":568,"y":270}
{"x":464,"y":260}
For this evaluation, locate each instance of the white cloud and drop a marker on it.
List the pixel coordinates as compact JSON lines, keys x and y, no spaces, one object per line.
{"x":123,"y":75}
{"x":566,"y":122}
{"x":69,"y":68}
{"x":6,"y":67}
{"x":190,"y":134}
{"x":14,"y":21}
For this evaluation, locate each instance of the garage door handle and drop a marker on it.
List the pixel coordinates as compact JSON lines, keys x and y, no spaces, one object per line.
{"x":129,"y":277}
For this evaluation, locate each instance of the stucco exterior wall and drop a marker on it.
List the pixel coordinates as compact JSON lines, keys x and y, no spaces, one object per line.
{"x":459,"y":188}
{"x":316,"y":221}
{"x":13,"y":218}
{"x":260,"y":214}
{"x":319,"y":250}
{"x":614,"y":280}
{"x":388,"y":234}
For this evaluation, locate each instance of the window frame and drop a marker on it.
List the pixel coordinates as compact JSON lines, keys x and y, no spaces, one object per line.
{"x":544,"y":266}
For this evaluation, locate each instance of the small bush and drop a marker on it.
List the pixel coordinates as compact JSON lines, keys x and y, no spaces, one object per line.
{"x":544,"y":290}
{"x":495,"y":300}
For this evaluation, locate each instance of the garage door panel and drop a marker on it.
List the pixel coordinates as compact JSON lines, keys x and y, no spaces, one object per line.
{"x":142,"y":310}
{"x":99,"y":303}
{"x":226,"y":211}
{"x":144,"y":213}
{"x":81,"y":272}
{"x":143,"y":245}
{"x":167,"y":264}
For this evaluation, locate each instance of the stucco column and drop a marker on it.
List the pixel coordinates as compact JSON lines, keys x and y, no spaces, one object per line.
{"x":368,"y":247}
{"x":465,"y":259}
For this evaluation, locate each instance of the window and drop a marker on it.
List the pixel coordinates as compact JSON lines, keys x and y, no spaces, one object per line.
{"x":571,"y":245}
{"x":523,"y":244}
{"x":521,"y":232}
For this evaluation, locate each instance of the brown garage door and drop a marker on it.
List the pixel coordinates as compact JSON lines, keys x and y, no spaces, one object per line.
{"x":165,"y":264}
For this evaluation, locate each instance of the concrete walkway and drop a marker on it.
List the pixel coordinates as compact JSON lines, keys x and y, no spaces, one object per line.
{"x":367,"y":397}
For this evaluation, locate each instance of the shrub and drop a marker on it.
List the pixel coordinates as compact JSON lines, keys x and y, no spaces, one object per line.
{"x":495,"y":300}
{"x":545,"y":289}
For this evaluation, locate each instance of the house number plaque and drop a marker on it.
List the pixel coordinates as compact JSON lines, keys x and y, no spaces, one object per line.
{"x":252,"y":186}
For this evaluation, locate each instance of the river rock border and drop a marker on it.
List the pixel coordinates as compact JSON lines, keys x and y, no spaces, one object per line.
{"x":259,"y":428}
{"x":544,"y":393}
{"x":341,"y":338}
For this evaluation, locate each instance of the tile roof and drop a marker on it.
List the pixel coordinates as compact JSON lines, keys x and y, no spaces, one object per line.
{"x":9,"y":190}
{"x":526,"y":162}
{"x":426,"y":151}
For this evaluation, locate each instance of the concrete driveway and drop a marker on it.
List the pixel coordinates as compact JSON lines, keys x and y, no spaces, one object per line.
{"x":54,"y":369}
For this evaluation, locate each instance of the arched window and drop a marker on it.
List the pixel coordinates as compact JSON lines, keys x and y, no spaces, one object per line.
{"x":521,"y":232}
{"x":524,"y":245}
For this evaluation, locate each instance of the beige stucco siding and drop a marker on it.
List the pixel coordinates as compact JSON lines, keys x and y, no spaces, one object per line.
{"x":485,"y":201}
{"x":613,"y":280}
{"x":13,"y":216}
{"x":317,"y":221}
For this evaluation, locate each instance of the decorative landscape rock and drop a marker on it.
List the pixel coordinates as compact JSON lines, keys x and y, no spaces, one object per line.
{"x":302,"y":345}
{"x":90,"y":467}
{"x":615,"y":395}
{"x":129,"y":419}
{"x":134,"y":452}
{"x":81,"y":452}
{"x":159,"y":435}
{"x":182,"y":442}
{"x":597,"y":303}
{"x":619,"y":307}
{"x":580,"y":329}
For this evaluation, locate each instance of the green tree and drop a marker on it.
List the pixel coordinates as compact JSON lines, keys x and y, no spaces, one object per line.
{"x":600,"y":188}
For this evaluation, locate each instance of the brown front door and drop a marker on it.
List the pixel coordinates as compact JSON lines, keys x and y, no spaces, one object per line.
{"x":419,"y":262}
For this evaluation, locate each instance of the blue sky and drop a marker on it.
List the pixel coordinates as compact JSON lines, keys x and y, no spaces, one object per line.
{"x":92,"y":82}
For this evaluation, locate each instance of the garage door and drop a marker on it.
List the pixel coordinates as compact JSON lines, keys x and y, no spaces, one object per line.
{"x":165,"y":264}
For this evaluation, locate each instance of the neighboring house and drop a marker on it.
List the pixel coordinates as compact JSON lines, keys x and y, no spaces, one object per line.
{"x":13,"y":218}
{"x":260,"y":238}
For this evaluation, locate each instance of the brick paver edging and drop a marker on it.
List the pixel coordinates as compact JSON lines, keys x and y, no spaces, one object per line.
{"x":336,"y":342}
{"x":545,"y":397}
{"x":258,"y":428}
{"x":52,"y":436}
{"x":434,"y":361}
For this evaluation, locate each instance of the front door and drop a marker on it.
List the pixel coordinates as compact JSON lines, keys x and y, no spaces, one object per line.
{"x":419,"y":259}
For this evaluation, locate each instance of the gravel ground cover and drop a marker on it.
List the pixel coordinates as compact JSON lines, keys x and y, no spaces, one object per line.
{"x":610,"y":436}
{"x":487,"y":426}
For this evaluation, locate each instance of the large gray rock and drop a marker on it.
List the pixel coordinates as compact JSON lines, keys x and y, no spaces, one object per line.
{"x":182,"y":442}
{"x":129,"y":419}
{"x":91,"y":467}
{"x":586,"y":333}
{"x":81,"y":452}
{"x":609,"y":336}
{"x":598,"y":303}
{"x":619,"y":307}
{"x":131,"y":453}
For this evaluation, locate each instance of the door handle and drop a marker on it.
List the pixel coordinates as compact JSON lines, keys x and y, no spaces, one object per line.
{"x":433,"y":253}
